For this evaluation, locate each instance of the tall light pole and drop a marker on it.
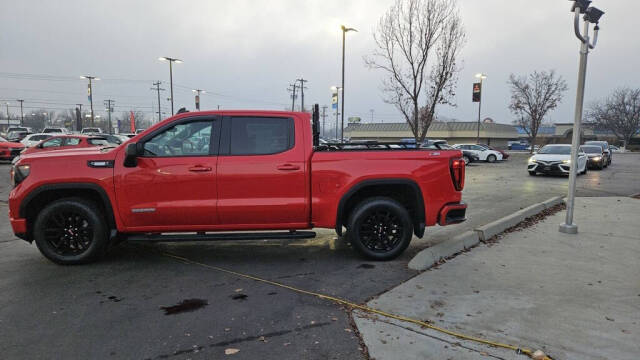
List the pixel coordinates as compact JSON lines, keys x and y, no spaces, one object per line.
{"x":21,"y":101}
{"x":592,"y":15}
{"x":45,"y":116}
{"x":90,"y":92}
{"x":480,"y":76}
{"x":198,"y":91}
{"x":344,"y":32}
{"x":171,"y":61}
{"x":335,"y":103}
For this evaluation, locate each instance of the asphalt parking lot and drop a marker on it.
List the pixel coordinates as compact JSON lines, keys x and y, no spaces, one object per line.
{"x":114,"y":309}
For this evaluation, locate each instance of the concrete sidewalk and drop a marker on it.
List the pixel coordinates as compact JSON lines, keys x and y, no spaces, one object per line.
{"x":573,"y":296}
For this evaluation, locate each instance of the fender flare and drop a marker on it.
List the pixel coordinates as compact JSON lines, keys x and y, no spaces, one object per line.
{"x":70,"y":186}
{"x":419,"y":216}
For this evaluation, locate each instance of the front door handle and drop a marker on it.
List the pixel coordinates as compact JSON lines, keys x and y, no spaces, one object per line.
{"x":199,"y":169}
{"x":288,"y":167}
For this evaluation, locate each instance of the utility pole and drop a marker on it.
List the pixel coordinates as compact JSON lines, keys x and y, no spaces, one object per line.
{"x":324,"y":116}
{"x":371,"y":115}
{"x":158,"y":89}
{"x":198,"y":91}
{"x":90,"y":90}
{"x":302,"y":87}
{"x":21,"y":112}
{"x":81,"y":118}
{"x":7,"y":113}
{"x":293,"y":95}
{"x":109,"y":104}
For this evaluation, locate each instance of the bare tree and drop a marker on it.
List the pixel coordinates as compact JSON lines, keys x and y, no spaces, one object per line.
{"x":533,"y":97}
{"x":418,"y":43}
{"x":619,"y":113}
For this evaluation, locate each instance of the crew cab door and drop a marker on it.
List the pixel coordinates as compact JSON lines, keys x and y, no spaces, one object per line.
{"x":173,"y":186}
{"x":262,"y":179}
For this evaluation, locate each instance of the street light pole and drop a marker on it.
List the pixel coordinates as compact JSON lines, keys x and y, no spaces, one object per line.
{"x":481,"y":77}
{"x":21,"y":112}
{"x":171,"y":61}
{"x":90,"y":78}
{"x":344,"y":32}
{"x":336,"y":92}
{"x":592,"y":15}
{"x":198,"y":91}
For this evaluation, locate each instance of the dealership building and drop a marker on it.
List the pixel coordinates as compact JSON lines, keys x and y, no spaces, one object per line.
{"x":491,"y":133}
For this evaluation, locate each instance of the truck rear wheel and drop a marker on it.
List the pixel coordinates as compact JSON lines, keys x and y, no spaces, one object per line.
{"x":380,"y":228}
{"x":71,"y":231}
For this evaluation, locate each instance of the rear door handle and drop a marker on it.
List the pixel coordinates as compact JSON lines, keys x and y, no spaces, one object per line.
{"x":288,"y":167}
{"x":199,"y":169}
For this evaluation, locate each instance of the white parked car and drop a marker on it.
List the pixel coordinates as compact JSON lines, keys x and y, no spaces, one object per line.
{"x":555,"y":159}
{"x":483,"y":152}
{"x":34,"y":139}
{"x":56,"y":131}
{"x":91,"y":130}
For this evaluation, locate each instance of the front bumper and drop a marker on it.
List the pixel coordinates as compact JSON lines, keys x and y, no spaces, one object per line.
{"x":551,"y":168}
{"x":453,"y":213}
{"x":595,"y":163}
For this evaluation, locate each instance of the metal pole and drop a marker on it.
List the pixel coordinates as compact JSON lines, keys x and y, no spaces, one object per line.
{"x":171,"y":81}
{"x":342,"y":123}
{"x":324,"y":119}
{"x":21,"y":113}
{"x":479,"y":110}
{"x":7,"y":113}
{"x":91,"y":99}
{"x":569,"y":227}
{"x":293,"y":97}
{"x":159,"y":111}
{"x":337,"y":113}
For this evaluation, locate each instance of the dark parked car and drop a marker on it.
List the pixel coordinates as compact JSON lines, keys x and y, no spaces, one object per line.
{"x":605,"y":148}
{"x":596,"y":156}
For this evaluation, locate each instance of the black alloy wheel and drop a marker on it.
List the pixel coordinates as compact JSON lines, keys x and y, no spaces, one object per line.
{"x":68,"y":233}
{"x":71,"y":231}
{"x":380,"y":228}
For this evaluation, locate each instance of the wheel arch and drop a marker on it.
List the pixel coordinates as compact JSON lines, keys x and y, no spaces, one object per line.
{"x":45,"y":194}
{"x":404,"y":190}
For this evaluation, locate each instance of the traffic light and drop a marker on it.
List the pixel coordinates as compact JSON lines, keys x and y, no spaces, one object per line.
{"x":477,"y":90}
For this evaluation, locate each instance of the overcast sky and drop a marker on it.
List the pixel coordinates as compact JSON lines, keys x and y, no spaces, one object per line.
{"x":245,"y":53}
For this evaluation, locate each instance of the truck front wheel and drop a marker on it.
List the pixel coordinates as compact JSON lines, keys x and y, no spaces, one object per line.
{"x":71,"y":231}
{"x":380,"y":228}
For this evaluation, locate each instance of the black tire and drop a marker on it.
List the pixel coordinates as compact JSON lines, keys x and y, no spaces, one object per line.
{"x":466,"y":159}
{"x":374,"y":218}
{"x":71,"y":231}
{"x":491,"y":158}
{"x":532,"y":173}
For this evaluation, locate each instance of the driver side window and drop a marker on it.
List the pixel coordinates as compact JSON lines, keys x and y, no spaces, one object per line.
{"x":186,"y":139}
{"x":52,"y":143}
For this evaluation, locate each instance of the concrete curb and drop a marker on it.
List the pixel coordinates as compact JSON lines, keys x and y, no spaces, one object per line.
{"x":432,"y":255}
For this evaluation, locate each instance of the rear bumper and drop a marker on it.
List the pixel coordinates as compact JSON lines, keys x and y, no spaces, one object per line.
{"x":454,"y":213}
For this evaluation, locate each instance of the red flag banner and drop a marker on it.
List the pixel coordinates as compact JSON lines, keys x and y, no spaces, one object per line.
{"x":132,"y":119}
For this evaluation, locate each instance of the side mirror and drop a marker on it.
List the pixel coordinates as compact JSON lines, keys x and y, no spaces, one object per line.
{"x":131,"y":155}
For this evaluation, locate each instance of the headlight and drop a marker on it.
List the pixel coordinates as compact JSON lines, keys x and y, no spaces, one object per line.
{"x":532,"y":160}
{"x":19,"y":173}
{"x":596,"y":158}
{"x":566,"y":161}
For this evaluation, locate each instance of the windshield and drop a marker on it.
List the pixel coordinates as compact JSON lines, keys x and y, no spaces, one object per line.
{"x":52,"y":131}
{"x":556,"y":150}
{"x":591,"y":149}
{"x":15,"y":134}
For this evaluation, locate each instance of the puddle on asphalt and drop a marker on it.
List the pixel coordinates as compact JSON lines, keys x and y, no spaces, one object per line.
{"x":239,"y":297}
{"x":186,"y":305}
{"x":366,"y":266}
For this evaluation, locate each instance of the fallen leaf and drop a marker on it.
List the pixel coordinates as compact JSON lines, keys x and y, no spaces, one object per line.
{"x":286,"y":344}
{"x":334,"y":319}
{"x":261,"y":338}
{"x":608,"y":318}
{"x":238,"y":290}
{"x":347,"y":330}
{"x":231,"y":351}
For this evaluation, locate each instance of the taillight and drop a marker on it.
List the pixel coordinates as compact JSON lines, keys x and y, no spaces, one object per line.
{"x":457,"y":173}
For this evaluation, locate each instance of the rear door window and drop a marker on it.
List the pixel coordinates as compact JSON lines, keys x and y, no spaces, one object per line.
{"x":261,"y":135}
{"x":52,"y":143}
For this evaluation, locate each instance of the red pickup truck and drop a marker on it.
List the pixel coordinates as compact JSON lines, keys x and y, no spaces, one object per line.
{"x":221,"y":175}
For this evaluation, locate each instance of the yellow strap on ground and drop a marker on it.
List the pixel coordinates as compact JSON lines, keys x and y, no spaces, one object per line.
{"x":519,"y":350}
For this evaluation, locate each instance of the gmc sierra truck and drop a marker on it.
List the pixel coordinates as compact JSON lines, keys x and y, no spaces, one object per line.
{"x":225,"y":175}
